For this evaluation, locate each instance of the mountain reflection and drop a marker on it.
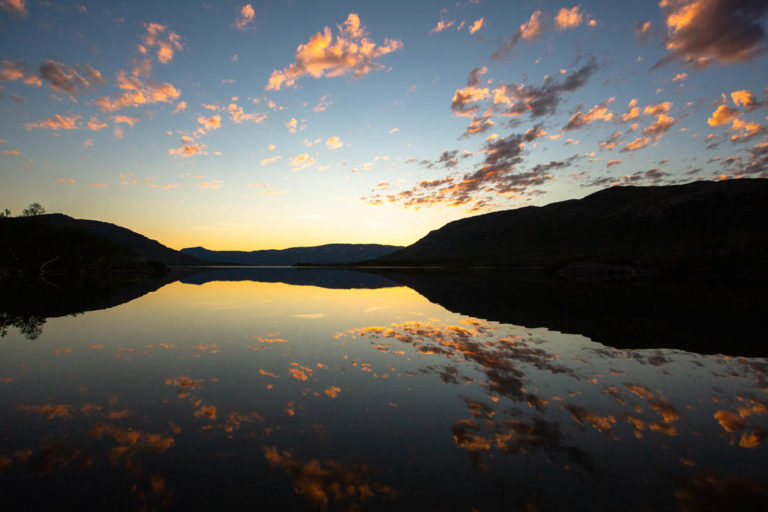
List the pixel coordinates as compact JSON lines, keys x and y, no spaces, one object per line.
{"x":246,"y":394}
{"x":709,"y":317}
{"x":323,"y":277}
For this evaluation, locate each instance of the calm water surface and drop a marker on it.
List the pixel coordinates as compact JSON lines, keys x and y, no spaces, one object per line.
{"x":249,"y":395}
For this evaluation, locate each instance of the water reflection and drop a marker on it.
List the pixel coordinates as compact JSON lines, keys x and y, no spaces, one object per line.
{"x":241,"y":394}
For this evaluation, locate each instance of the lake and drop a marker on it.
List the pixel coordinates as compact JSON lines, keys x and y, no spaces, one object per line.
{"x":244,"y":389}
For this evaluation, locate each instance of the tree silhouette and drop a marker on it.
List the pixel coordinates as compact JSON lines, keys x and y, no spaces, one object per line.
{"x":33,"y":210}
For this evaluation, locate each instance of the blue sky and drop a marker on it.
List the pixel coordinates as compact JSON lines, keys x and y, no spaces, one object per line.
{"x":257,"y":125}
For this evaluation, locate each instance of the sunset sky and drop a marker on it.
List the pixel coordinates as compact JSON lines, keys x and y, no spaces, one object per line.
{"x":274,"y":124}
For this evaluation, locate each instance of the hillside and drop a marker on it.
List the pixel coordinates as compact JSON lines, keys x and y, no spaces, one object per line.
{"x":698,"y":224}
{"x":320,"y":255}
{"x":334,"y":278}
{"x":711,"y":316}
{"x":142,"y":246}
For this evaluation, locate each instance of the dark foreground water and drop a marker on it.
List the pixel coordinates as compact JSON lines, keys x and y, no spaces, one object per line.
{"x":310,"y":390}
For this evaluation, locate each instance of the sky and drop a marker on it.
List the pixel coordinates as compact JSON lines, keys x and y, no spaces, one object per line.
{"x":276,"y":124}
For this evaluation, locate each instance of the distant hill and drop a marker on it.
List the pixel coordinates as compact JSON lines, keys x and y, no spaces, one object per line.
{"x":698,"y":224}
{"x":334,"y":278}
{"x":142,"y":246}
{"x":320,"y":255}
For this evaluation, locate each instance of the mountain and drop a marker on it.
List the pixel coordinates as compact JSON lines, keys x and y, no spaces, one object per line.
{"x":35,"y":246}
{"x":320,"y":255}
{"x":700,"y":224}
{"x":142,"y":246}
{"x":704,"y":315}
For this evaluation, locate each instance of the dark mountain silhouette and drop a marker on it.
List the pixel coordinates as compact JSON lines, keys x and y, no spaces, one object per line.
{"x":320,"y":255}
{"x":27,"y":303}
{"x":142,"y":246}
{"x":36,"y":246}
{"x":336,"y":278}
{"x":710,"y":316}
{"x":699,"y":224}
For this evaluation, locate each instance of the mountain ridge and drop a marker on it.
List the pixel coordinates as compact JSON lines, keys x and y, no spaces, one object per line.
{"x":143,"y":246}
{"x":699,"y":223}
{"x":327,"y":254}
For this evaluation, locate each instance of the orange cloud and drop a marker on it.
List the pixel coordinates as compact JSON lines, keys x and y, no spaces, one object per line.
{"x":56,"y":123}
{"x":660,"y":127}
{"x":680,"y":77}
{"x":471,"y":94}
{"x":633,"y":111}
{"x":302,"y":161}
{"x":206,"y":411}
{"x":729,"y":421}
{"x":568,"y":18}
{"x":129,"y":120}
{"x":638,"y":143}
{"x":597,"y":113}
{"x":65,"y":180}
{"x":477,"y":25}
{"x":165,"y":47}
{"x":350,"y":53}
{"x":642,"y":31}
{"x":95,"y":124}
{"x":661,"y":108}
{"x":723,"y":115}
{"x":442,"y":25}
{"x":291,"y":125}
{"x":748,"y":129}
{"x":266,"y":161}
{"x":334,"y":142}
{"x":11,"y":71}
{"x":247,"y":15}
{"x":531,"y":30}
{"x":188,"y":148}
{"x":210,"y":123}
{"x":332,"y":391}
{"x":212,"y":185}
{"x":743,"y":98}
{"x":48,"y":411}
{"x":15,"y":7}
{"x":180,"y":106}
{"x":237,"y":115}
{"x":137,"y":93}
{"x":704,"y":32}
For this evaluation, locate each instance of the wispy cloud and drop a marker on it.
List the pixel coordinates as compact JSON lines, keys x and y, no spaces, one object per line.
{"x":56,"y":122}
{"x":267,"y":161}
{"x":69,"y":79}
{"x":136,"y":93}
